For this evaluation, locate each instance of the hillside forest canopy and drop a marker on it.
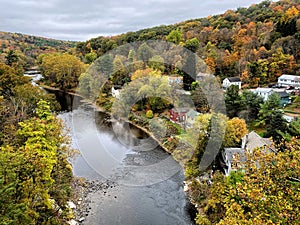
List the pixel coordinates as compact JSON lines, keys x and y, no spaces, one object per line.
{"x":257,"y":44}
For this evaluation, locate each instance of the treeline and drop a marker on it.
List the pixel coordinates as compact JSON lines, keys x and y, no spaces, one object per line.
{"x":258,"y":43}
{"x":27,"y":47}
{"x":35,"y":174}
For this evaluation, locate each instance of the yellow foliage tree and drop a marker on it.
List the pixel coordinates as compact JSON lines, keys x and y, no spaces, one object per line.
{"x":266,"y":191}
{"x":236,"y":128}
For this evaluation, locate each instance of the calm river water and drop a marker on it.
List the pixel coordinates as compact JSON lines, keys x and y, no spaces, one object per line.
{"x":149,"y":183}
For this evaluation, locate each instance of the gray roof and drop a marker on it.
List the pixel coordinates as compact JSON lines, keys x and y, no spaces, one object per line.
{"x":289,"y":77}
{"x":235,"y":152}
{"x":263,"y":90}
{"x":234,"y":79}
{"x":192,"y":113}
{"x":180,"y":110}
{"x":283,"y":94}
{"x":253,"y":141}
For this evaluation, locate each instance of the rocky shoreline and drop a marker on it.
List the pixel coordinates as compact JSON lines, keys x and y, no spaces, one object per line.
{"x":83,"y":193}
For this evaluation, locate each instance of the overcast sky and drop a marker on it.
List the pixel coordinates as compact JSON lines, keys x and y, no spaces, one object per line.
{"x":80,"y":20}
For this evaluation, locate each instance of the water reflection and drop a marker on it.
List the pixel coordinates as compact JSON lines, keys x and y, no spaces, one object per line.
{"x":105,"y":157}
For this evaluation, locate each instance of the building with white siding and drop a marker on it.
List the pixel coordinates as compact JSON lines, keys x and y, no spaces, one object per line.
{"x":232,"y":81}
{"x":289,"y":80}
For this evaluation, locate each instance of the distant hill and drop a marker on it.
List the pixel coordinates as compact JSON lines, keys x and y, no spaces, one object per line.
{"x":29,"y":47}
{"x":258,"y":43}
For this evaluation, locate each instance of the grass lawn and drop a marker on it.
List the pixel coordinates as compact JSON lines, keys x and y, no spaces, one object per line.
{"x":293,"y":108}
{"x":261,"y":130}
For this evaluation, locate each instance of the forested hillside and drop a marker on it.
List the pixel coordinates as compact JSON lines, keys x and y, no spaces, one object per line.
{"x":258,"y":43}
{"x":21,"y":48}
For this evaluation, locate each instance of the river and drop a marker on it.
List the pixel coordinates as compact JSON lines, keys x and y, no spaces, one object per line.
{"x":148,"y":186}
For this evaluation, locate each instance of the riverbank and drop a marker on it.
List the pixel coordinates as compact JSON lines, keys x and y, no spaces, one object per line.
{"x":53,"y":89}
{"x":86,"y":194}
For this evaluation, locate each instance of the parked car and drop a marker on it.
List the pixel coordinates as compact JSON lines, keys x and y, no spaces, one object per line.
{"x":290,"y":88}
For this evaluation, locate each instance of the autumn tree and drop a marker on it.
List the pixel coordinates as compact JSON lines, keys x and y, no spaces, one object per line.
{"x":61,"y":70}
{"x":254,"y":195}
{"x":9,"y":78}
{"x":235,"y":129}
{"x":200,"y":100}
{"x":28,"y":171}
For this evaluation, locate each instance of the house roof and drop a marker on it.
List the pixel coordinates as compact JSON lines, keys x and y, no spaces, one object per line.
{"x":117,"y":87}
{"x":283,"y":94}
{"x":234,"y":79}
{"x":262,"y":90}
{"x":235,"y":152}
{"x":180,"y":110}
{"x":289,"y":77}
{"x":175,"y":78}
{"x":192,"y":113}
{"x":253,"y":141}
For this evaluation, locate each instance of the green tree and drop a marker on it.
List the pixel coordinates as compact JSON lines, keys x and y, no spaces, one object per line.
{"x":105,"y":65}
{"x":276,"y":125}
{"x":131,"y":56}
{"x":233,"y":101}
{"x":189,"y":71}
{"x":28,"y":171}
{"x":192,"y":44}
{"x":149,"y":114}
{"x":157,"y":63}
{"x":117,"y":63}
{"x":90,"y":57}
{"x":11,"y":58}
{"x":175,"y":36}
{"x":144,"y":52}
{"x":252,"y":104}
{"x":267,"y":108}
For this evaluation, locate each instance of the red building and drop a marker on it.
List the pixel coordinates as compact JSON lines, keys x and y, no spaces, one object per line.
{"x":178,"y":115}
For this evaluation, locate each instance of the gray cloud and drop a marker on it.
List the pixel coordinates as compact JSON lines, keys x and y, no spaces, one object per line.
{"x":81,"y":20}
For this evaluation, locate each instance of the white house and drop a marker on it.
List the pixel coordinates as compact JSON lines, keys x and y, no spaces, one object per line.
{"x":289,"y":80}
{"x":232,"y":157}
{"x":263,"y":92}
{"x":177,"y":80}
{"x":232,"y":81}
{"x":115,"y":92}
